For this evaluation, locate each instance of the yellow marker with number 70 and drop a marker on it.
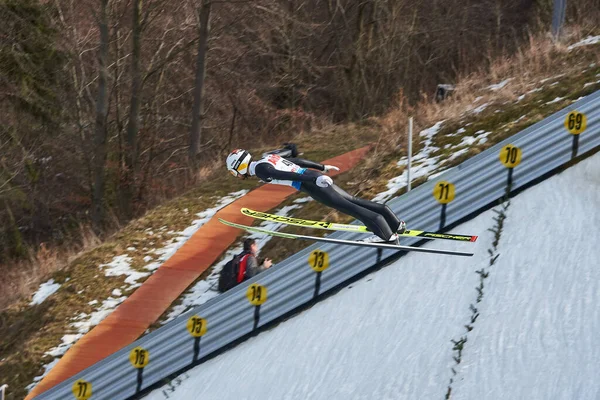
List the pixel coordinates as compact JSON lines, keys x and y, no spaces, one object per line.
{"x":510,"y":156}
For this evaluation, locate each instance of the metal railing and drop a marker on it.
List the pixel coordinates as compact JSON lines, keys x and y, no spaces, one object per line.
{"x":476,"y":184}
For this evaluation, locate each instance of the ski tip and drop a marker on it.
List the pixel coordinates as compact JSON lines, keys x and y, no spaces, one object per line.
{"x":474,"y":238}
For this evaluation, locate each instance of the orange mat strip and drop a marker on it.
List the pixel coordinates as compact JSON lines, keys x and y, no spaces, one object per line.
{"x":131,"y":319}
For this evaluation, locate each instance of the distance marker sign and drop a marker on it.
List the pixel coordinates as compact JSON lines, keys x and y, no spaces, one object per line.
{"x":318,"y":260}
{"x":256,"y":294}
{"x":575,"y":122}
{"x":82,"y":390}
{"x":510,"y":156}
{"x":443,"y":192}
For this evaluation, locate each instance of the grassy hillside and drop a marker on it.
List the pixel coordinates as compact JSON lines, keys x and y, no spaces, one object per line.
{"x":548,"y":77}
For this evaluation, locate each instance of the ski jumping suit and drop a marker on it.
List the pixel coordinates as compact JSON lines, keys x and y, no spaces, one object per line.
{"x":272,"y":168}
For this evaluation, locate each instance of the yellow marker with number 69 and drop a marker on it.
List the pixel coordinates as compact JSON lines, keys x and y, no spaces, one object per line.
{"x":575,"y":122}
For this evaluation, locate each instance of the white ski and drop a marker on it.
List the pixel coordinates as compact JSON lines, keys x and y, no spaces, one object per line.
{"x":344,"y":241}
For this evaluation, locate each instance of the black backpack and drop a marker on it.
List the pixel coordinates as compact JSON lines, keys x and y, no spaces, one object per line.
{"x":229,"y":273}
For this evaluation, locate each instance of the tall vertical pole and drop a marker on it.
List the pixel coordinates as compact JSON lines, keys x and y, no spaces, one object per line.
{"x":410,"y":129}
{"x":558,"y":17}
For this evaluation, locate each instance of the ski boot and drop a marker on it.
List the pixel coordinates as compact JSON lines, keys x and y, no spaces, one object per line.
{"x":401,"y":228}
{"x":373,"y":239}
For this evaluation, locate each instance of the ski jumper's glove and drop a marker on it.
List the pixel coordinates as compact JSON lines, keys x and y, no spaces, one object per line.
{"x":330,"y":168}
{"x":324,"y":181}
{"x":292,"y":148}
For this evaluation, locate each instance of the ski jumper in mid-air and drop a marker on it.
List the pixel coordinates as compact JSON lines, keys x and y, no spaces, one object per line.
{"x":282,"y":167}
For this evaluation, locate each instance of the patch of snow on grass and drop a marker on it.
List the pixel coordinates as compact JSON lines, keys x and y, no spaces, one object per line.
{"x":556,"y":100}
{"x":87,"y":322}
{"x":120,"y":265}
{"x":552,"y":77}
{"x":498,"y":86}
{"x":422,"y":165}
{"x":46,"y":290}
{"x":585,"y":42}
{"x":479,"y":109}
{"x":468,"y":141}
{"x":47,"y":369}
{"x":458,"y":154}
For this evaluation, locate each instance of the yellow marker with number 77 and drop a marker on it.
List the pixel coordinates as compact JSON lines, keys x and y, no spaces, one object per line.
{"x":82,"y":390}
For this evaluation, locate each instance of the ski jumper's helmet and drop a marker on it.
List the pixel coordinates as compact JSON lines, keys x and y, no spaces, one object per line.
{"x":238,"y":162}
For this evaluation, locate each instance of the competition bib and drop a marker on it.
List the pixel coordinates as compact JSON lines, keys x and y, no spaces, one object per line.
{"x":282,"y":164}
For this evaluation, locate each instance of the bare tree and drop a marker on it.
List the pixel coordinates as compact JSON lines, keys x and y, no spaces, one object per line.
{"x":197,"y":110}
{"x":100,"y":130}
{"x":133,"y":124}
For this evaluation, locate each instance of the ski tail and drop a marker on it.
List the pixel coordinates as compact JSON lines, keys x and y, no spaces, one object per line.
{"x":433,"y":235}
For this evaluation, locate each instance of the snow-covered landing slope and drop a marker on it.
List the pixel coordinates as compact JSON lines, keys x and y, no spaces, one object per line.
{"x":388,"y":335}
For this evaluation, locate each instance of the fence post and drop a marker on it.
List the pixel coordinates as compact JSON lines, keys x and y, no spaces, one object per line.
{"x":558,"y":17}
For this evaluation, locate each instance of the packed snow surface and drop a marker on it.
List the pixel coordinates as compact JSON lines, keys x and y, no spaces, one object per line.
{"x":388,"y":336}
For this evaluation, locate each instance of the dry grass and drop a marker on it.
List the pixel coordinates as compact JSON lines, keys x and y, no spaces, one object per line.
{"x":23,"y":277}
